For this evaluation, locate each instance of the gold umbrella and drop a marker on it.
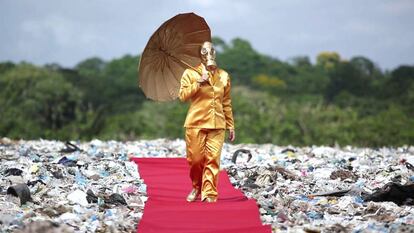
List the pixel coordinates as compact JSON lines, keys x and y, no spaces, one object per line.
{"x":172,"y":48}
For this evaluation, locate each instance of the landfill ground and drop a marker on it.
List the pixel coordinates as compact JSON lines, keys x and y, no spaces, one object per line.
{"x":54,"y":186}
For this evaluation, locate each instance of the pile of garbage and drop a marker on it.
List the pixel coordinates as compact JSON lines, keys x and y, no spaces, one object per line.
{"x":55,"y":186}
{"x":326,"y":189}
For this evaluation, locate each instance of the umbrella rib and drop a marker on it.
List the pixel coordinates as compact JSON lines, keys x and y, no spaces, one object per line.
{"x":194,"y":32}
{"x":165,"y":63}
{"x":187,"y":55}
{"x":155,"y":87}
{"x":162,"y":31}
{"x":192,"y":44}
{"x":164,"y":81}
{"x":179,"y":62}
{"x":142,"y":72}
{"x":170,"y":69}
{"x":169,"y":38}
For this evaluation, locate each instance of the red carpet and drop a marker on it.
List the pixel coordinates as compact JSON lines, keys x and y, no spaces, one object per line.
{"x":167,"y":211}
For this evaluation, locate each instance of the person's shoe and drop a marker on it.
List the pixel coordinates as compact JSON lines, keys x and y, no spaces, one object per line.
{"x":210,"y":199}
{"x":193,"y":195}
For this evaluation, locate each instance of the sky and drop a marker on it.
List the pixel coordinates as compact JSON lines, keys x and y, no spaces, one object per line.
{"x":67,"y":32}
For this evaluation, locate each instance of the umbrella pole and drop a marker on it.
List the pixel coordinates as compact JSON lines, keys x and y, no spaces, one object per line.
{"x":189,"y":66}
{"x":180,"y":61}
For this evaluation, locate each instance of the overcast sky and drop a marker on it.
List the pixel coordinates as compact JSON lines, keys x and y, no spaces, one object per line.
{"x":66,"y":32}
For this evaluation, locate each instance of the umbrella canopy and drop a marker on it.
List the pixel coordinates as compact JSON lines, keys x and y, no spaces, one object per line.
{"x":172,"y":48}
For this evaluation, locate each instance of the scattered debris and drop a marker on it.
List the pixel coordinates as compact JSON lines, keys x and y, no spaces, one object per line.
{"x":21,"y":191}
{"x":53,"y":186}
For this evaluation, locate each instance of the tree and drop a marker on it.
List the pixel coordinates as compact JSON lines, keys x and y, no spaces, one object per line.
{"x":37,"y":102}
{"x":364,"y":65}
{"x":346,"y":77}
{"x":301,"y":62}
{"x":219,"y":44}
{"x":401,"y":80}
{"x":270,"y":83}
{"x":242,"y":61}
{"x":328,"y":60}
{"x":6,"y":66}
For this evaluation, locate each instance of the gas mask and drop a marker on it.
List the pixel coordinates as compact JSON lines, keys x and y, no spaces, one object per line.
{"x":208,"y":55}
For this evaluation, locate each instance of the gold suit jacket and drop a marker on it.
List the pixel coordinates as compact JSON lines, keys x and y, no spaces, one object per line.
{"x":210,"y":102}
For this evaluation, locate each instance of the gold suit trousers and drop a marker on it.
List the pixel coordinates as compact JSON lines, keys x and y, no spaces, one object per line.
{"x":203,"y":155}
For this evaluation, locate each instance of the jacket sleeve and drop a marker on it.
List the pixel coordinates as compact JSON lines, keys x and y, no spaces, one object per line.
{"x":227,"y":107}
{"x":187,"y":87}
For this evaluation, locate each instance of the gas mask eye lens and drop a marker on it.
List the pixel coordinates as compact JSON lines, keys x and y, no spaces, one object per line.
{"x":203,"y":51}
{"x":213,"y":51}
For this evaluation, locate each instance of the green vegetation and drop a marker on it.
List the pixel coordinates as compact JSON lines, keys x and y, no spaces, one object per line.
{"x":335,"y":101}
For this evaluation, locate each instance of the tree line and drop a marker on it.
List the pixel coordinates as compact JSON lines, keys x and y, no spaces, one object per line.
{"x":334,"y":101}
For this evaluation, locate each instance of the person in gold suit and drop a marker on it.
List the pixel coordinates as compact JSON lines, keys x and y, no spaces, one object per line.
{"x":209,"y":115}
